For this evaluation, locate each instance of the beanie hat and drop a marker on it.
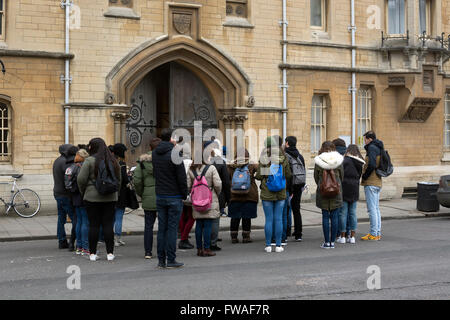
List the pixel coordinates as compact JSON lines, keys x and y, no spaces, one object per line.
{"x":269,"y":142}
{"x":83,"y":153}
{"x":119,"y":150}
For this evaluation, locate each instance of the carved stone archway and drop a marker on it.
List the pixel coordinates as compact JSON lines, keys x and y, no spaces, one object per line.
{"x":230,"y":87}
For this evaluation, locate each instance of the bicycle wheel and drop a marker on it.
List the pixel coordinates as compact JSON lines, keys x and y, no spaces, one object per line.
{"x":26,"y":203}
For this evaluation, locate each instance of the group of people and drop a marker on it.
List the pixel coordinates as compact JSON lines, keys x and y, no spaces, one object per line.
{"x":94,"y":213}
{"x":92,"y":187}
{"x":338,"y":173}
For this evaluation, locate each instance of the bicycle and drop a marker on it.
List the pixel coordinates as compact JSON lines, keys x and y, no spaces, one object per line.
{"x":25,"y":202}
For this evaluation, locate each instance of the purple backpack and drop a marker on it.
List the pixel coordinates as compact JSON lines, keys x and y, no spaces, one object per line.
{"x":201,"y":194}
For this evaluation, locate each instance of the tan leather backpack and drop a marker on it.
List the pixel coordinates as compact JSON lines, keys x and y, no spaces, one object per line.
{"x":329,"y":186}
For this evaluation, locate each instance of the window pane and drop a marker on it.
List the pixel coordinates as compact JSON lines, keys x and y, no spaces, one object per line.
{"x":1,"y":5}
{"x":316,"y":13}
{"x":318,"y":140}
{"x":396,"y":16}
{"x":423,"y":15}
{"x":1,"y":23}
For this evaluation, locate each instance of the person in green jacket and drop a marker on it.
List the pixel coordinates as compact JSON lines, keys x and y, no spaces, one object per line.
{"x":144,"y":183}
{"x":273,"y":201}
{"x":329,"y":159}
{"x":99,"y":207}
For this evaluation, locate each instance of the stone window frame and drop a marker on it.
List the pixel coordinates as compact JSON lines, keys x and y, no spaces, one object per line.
{"x":5,"y":116}
{"x":236,"y":20}
{"x":121,"y":3}
{"x":119,"y":9}
{"x":405,"y":27}
{"x":3,"y":20}
{"x":318,"y":124}
{"x":364,"y":94}
{"x":324,"y":12}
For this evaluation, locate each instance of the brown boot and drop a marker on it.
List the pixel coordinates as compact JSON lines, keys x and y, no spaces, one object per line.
{"x":208,"y":253}
{"x":234,"y":237}
{"x":200,"y":252}
{"x":246,"y":237}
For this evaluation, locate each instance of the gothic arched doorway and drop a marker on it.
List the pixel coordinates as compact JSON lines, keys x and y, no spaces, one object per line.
{"x":170,"y":96}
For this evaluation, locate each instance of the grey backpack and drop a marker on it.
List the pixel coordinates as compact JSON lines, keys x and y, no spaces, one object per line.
{"x":298,"y":171}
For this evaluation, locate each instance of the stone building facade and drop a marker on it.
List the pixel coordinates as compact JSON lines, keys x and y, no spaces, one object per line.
{"x":137,"y":66}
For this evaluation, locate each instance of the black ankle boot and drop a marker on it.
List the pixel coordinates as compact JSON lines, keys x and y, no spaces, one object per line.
{"x":63,"y":244}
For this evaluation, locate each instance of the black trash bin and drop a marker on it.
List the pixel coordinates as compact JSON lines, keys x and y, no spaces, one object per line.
{"x":426,"y":196}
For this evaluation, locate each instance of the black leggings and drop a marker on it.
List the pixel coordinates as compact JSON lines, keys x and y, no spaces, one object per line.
{"x":246,"y":224}
{"x":101,"y":214}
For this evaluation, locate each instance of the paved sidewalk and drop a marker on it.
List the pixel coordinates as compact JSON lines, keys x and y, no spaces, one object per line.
{"x":14,"y":228}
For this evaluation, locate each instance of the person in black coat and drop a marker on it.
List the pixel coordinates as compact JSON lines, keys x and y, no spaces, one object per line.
{"x":119,"y":150}
{"x":171,"y":189}
{"x":353,"y":165}
{"x":295,"y":190}
{"x":62,"y":195}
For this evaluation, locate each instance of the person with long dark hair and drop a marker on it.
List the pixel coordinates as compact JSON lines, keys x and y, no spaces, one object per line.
{"x":353,"y":166}
{"x":100,"y":207}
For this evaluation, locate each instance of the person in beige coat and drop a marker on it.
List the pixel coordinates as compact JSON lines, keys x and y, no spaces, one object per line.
{"x":203,"y":220}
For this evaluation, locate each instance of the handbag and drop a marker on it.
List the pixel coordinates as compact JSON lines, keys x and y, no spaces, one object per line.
{"x":131,"y":198}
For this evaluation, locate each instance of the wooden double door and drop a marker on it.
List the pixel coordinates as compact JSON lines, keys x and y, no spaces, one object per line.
{"x":170,"y":96}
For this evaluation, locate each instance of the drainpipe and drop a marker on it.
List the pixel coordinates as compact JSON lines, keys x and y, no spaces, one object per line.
{"x":353,"y":87}
{"x":66,"y":4}
{"x":284,"y":84}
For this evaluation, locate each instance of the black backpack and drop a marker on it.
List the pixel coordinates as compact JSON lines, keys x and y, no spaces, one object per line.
{"x":385,"y":169}
{"x":70,"y":177}
{"x":298,"y":171}
{"x":106,"y":182}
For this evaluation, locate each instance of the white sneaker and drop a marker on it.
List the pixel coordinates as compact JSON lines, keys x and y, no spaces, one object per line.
{"x":352,"y":240}
{"x":341,"y":240}
{"x":93,"y":257}
{"x":279,"y":249}
{"x":268,"y":249}
{"x":110,"y":257}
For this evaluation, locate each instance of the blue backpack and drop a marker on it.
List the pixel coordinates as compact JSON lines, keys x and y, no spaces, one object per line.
{"x":240,"y":183}
{"x":276,"y":181}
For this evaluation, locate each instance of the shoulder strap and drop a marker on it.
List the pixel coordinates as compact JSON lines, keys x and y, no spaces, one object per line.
{"x":205,"y":170}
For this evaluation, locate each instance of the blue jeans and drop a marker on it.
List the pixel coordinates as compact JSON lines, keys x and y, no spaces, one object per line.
{"x":215,"y":225}
{"x":373,"y":206}
{"x":82,"y":228}
{"x":64,"y":208}
{"x":273,"y":210}
{"x":169,"y":212}
{"x":332,"y":215}
{"x":150,"y":218}
{"x":203,"y":233}
{"x":347,"y":217}
{"x":118,"y":221}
